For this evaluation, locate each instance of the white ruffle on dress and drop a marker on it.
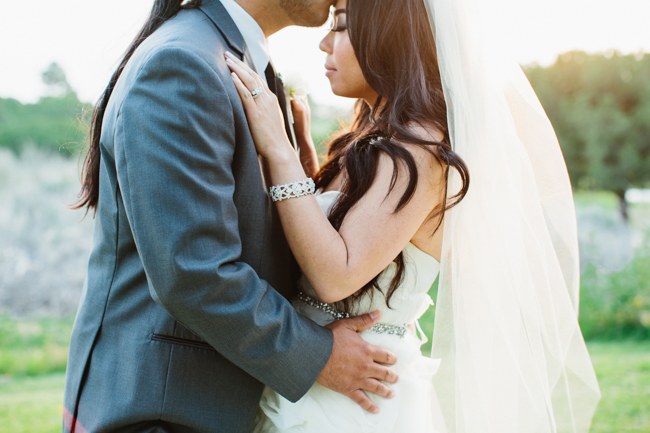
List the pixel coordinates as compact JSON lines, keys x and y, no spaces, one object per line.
{"x":413,"y":409}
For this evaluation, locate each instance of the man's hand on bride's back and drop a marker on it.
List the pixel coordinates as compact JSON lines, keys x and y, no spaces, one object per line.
{"x":357,"y":367}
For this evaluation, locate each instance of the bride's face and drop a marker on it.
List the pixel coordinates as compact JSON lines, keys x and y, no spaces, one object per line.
{"x":343,"y":70}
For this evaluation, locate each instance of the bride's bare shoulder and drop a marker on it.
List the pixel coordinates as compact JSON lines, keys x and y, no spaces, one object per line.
{"x":431,"y":171}
{"x":425,"y":132}
{"x":429,"y":154}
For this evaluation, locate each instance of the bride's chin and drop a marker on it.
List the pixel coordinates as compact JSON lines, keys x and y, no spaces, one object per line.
{"x":341,"y":92}
{"x":342,"y":95}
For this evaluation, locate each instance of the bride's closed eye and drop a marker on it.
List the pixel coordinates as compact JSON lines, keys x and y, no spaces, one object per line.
{"x":337,"y":21}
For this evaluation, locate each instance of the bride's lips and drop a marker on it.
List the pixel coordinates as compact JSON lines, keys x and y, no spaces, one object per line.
{"x":329,"y":70}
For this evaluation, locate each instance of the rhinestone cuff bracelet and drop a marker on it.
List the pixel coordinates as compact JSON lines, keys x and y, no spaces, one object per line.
{"x":292,"y":190}
{"x":378,"y":328}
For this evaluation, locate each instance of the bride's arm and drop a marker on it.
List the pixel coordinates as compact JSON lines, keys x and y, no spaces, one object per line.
{"x":338,"y":263}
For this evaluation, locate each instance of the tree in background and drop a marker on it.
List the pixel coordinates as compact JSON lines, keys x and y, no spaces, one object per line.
{"x":56,"y":122}
{"x":56,"y":81}
{"x":599,"y":105}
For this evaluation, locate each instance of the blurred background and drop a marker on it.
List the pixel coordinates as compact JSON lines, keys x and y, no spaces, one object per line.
{"x":588,"y":61}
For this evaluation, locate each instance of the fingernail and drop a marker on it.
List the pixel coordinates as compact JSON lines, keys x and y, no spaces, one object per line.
{"x":374,"y":315}
{"x":228,"y":60}
{"x":228,"y":54}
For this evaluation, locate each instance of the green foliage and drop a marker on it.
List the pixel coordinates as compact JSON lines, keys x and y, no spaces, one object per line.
{"x":600,"y":107}
{"x":326,"y":122}
{"x":617,"y":304}
{"x":56,"y":81}
{"x":322,"y":130}
{"x":58,"y":122}
{"x":53,"y":124}
{"x":615,"y":281}
{"x":34,"y":346}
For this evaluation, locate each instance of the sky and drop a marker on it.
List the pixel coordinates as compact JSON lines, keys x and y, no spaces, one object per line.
{"x":87,"y":38}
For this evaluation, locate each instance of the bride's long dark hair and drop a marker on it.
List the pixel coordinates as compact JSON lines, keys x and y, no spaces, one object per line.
{"x":161,"y":11}
{"x":393,"y":43}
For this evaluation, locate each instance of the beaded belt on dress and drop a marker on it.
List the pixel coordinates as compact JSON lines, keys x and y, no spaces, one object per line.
{"x":378,"y":328}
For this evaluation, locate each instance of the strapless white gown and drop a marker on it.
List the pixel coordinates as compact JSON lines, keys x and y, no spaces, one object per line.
{"x":413,"y":409}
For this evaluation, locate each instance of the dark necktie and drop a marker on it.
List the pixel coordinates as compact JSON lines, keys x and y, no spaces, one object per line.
{"x":277,"y":87}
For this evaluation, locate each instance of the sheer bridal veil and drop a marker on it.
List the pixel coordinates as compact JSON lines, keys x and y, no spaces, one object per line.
{"x":506,"y":328}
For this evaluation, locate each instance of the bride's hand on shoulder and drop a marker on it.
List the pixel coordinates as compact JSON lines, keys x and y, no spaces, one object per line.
{"x":262,"y":110}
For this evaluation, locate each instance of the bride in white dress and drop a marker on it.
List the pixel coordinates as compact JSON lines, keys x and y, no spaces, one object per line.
{"x":323,"y":410}
{"x":379,"y":250}
{"x":393,"y":208}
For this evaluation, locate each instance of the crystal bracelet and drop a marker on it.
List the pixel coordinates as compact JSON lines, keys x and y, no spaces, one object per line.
{"x":377,"y":328}
{"x":292,"y":190}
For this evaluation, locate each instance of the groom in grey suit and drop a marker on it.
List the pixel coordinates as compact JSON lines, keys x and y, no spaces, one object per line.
{"x":184,"y":315}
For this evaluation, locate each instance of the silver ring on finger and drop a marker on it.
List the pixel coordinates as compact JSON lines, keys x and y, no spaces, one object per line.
{"x":256,"y":92}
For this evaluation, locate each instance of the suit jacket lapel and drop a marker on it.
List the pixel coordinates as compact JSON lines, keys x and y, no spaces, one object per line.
{"x":277,"y":86}
{"x":218,"y":14}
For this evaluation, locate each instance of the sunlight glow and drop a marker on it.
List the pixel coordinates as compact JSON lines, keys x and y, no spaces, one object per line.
{"x":87,"y":38}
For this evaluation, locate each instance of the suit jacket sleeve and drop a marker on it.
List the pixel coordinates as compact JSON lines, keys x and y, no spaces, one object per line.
{"x":174,"y":145}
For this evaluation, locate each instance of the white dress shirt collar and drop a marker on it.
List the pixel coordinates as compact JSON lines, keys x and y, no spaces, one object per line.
{"x":252,"y":33}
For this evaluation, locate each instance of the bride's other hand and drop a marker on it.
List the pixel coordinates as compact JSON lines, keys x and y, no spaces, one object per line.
{"x":301,"y":118}
{"x":262,"y":111}
{"x":302,"y":126}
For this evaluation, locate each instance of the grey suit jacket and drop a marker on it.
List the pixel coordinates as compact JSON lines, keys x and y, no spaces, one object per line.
{"x":183,"y":317}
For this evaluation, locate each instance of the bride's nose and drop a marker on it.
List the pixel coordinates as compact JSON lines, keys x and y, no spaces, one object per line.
{"x":326,"y":43}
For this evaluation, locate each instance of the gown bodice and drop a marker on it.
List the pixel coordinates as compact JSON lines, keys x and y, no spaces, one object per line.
{"x":414,"y":408}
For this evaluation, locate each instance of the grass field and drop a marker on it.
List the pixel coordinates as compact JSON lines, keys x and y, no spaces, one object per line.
{"x":623,"y":371}
{"x":33,"y":404}
{"x":34,"y":346}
